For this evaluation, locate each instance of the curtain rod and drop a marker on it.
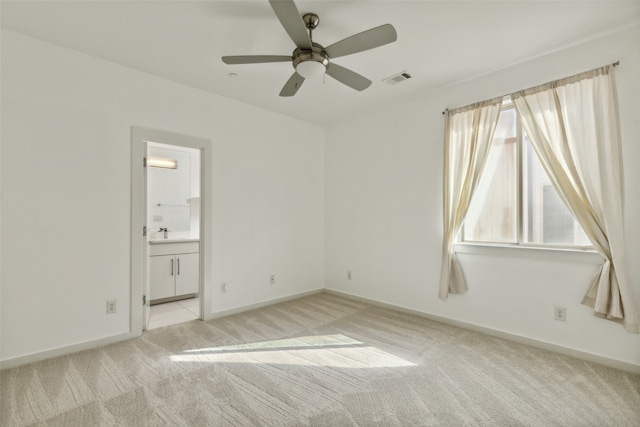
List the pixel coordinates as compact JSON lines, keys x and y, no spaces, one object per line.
{"x":615,"y":64}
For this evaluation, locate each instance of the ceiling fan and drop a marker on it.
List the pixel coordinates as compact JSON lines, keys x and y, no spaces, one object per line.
{"x":312,"y":59}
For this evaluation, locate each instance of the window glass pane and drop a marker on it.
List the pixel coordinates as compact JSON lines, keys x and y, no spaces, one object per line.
{"x":546,"y":219}
{"x":492,"y":215}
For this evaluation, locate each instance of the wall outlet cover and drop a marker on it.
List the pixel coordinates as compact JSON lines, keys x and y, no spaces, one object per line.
{"x":560,"y":313}
{"x":112,"y":306}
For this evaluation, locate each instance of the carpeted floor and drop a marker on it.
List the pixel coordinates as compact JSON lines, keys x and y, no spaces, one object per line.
{"x":318,"y":361}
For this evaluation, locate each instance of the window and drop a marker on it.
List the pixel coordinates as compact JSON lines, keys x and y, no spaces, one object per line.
{"x":515,"y":202}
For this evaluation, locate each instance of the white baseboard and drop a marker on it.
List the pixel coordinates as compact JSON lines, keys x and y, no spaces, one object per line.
{"x":62,"y":351}
{"x":612,"y":363}
{"x":87,"y":345}
{"x":242,"y":309}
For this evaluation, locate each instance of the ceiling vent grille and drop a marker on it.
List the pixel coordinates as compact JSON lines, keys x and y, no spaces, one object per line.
{"x":397,"y":78}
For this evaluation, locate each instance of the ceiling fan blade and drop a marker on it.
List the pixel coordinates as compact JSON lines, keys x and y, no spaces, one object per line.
{"x":290,"y":18}
{"x":365,"y":40}
{"x":255,"y":59}
{"x":348,"y":77}
{"x":292,"y":85}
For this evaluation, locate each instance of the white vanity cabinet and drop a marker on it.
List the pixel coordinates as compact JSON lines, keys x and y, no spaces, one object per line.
{"x":174,"y":269}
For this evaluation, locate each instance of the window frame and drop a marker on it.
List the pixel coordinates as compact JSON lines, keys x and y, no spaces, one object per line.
{"x":507,"y":104}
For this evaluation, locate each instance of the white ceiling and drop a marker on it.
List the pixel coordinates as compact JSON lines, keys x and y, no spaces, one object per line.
{"x":439,"y":42}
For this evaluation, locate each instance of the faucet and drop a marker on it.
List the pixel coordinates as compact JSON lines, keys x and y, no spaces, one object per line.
{"x":166,"y":231}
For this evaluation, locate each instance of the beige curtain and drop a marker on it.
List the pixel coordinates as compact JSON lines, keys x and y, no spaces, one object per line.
{"x":574,"y":129}
{"x":468,"y":134}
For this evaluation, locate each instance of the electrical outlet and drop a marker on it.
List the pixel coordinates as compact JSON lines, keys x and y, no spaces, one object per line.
{"x":112,"y":306}
{"x":223,"y":287}
{"x":272,"y":279}
{"x":348,"y":275}
{"x":560,"y":313}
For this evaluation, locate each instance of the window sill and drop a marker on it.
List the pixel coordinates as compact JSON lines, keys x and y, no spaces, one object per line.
{"x":586,"y":256}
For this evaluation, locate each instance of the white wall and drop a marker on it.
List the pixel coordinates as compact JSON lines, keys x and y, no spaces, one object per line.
{"x":65,"y":175}
{"x":66,"y":126}
{"x":383,"y":202}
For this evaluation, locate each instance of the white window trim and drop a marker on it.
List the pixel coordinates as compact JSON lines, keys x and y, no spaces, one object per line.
{"x":544,"y":253}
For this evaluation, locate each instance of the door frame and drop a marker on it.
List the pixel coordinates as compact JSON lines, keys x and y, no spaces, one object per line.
{"x":139,"y":244}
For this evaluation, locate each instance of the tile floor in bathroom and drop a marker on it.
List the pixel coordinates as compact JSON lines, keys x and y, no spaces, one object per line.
{"x":174,"y":312}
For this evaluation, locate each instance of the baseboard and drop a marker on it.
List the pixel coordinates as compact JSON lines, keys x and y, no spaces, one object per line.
{"x":612,"y":363}
{"x":87,"y":345}
{"x":62,"y":351}
{"x":242,"y":309}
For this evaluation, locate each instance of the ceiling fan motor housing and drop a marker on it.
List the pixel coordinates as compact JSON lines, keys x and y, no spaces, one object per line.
{"x":309,"y":63}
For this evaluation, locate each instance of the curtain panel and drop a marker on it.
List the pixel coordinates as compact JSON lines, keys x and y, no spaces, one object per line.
{"x":574,"y":128}
{"x":468,"y":134}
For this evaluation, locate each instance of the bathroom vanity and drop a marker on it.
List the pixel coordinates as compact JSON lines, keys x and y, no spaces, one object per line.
{"x":174,"y":268}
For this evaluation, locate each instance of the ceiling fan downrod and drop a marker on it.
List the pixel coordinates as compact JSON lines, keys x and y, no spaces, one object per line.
{"x":314,"y":62}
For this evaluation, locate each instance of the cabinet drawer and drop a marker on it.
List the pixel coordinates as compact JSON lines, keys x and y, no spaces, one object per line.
{"x":174,"y":248}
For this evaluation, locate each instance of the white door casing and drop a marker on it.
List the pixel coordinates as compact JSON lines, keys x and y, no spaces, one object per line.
{"x":139,"y":242}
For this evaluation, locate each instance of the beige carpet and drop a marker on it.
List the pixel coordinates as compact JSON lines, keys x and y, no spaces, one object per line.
{"x":318,"y":361}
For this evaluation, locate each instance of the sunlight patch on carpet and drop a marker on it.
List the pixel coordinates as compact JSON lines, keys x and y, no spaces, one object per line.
{"x":337,"y":351}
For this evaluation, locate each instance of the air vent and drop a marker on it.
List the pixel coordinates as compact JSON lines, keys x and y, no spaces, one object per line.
{"x":397,"y":78}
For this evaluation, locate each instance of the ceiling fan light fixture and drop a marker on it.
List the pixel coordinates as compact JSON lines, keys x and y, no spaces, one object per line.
{"x":311,"y":69}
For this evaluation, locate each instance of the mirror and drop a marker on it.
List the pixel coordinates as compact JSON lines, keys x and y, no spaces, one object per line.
{"x":173,"y":193}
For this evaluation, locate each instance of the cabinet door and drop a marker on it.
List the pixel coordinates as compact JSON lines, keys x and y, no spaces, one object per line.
{"x":163,"y":271}
{"x":187,"y":274}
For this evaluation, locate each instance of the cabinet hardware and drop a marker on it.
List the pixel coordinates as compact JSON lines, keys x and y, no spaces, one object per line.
{"x":178,"y":266}
{"x":172,"y":267}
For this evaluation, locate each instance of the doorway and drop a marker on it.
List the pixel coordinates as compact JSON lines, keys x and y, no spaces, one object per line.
{"x":170,"y":229}
{"x":173,"y":229}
